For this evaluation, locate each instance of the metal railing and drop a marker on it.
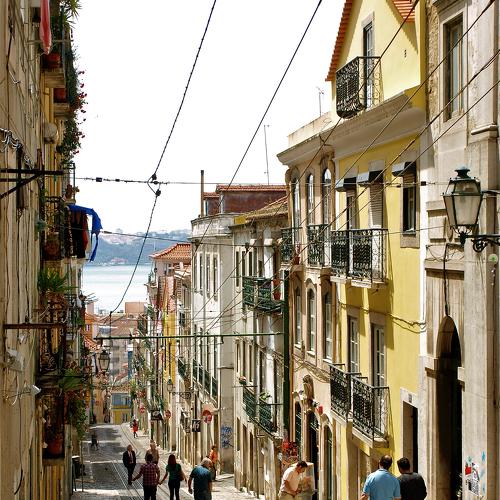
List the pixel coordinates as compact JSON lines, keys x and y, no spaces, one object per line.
{"x":358,"y":86}
{"x":340,"y":390}
{"x":52,"y":341}
{"x":207,"y":381}
{"x":215,"y":388}
{"x":182,"y":368}
{"x":260,"y":293}
{"x":250,"y":403}
{"x":56,"y":240}
{"x":290,"y":243}
{"x":196,"y":369}
{"x":318,"y":245}
{"x":369,"y":408}
{"x":360,"y":254}
{"x":267,"y":416}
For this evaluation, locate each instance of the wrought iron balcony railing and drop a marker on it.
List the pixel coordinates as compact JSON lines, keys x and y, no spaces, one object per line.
{"x":250,"y":403}
{"x":290,"y":244}
{"x":341,"y":390}
{"x":267,"y":416}
{"x":196,"y":369}
{"x":56,"y":239}
{"x":318,"y":245}
{"x":182,"y":368}
{"x":358,"y":86}
{"x":360,"y":254}
{"x":207,"y":381}
{"x":261,"y":293}
{"x":215,"y":387}
{"x":370,"y":407}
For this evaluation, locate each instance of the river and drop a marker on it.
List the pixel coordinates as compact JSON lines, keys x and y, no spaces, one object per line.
{"x":108,"y":283}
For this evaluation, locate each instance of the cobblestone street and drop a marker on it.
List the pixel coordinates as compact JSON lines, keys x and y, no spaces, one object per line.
{"x":105,"y":477}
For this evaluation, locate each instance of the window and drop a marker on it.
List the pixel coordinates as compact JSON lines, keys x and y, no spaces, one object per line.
{"x":295,"y":203}
{"x":311,"y":321}
{"x":368,"y":52}
{"x":237,"y":259}
{"x":378,"y":349}
{"x":353,"y":347}
{"x":251,"y":363}
{"x":351,"y":209}
{"x":200,"y":268}
{"x":310,"y":199}
{"x":250,"y":263}
{"x":262,"y":371}
{"x":298,"y":427}
{"x":329,"y":463}
{"x":243,"y":261}
{"x":376,"y":211}
{"x":453,"y":66}
{"x":207,"y":274}
{"x":215,"y":271}
{"x":214,"y":364}
{"x":298,"y":318}
{"x":195,"y":272}
{"x":327,"y":326}
{"x":409,"y":202}
{"x":326,"y":196}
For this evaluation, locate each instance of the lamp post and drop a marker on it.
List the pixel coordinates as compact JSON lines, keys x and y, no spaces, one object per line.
{"x":462,"y":200}
{"x":104,"y":360}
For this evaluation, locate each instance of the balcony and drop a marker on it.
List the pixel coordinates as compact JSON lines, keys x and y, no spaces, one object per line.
{"x":182,"y":368}
{"x":53,"y":427}
{"x":360,"y":255}
{"x":56,"y":240}
{"x":319,"y":244}
{"x":340,"y":391}
{"x":215,"y":388}
{"x":261,"y":293}
{"x":267,"y":416}
{"x":207,"y":381}
{"x":358,"y":86}
{"x":196,"y":369}
{"x":250,"y":403}
{"x":290,"y":245}
{"x":370,"y":407}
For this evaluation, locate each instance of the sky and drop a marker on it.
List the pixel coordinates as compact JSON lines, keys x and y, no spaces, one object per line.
{"x":137,"y":57}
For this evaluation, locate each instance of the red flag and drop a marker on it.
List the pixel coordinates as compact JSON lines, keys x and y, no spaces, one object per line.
{"x":45,"y":34}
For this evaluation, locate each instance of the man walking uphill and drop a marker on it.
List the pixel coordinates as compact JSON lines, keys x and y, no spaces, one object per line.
{"x":129,"y":461}
{"x":381,"y":484}
{"x":202,"y":478}
{"x":150,"y":477}
{"x":412,"y":484}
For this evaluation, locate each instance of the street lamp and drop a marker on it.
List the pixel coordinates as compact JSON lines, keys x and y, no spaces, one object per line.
{"x":183,"y":394}
{"x":170,"y":385}
{"x":104,"y":359}
{"x":462,"y":201}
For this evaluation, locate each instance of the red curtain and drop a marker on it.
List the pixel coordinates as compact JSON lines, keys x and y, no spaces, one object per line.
{"x":45,"y":34}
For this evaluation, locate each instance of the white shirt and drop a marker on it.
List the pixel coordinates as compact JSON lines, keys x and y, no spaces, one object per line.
{"x":293,"y":477}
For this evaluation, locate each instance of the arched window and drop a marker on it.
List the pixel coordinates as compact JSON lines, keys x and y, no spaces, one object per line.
{"x":326,"y":196}
{"x":311,"y":321}
{"x":310,"y":199}
{"x":295,"y":203}
{"x":327,"y":326}
{"x":298,"y":317}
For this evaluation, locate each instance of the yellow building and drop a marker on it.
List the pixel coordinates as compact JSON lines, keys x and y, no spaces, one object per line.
{"x":353,"y":252}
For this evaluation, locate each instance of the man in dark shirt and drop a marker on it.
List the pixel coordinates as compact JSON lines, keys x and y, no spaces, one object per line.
{"x":202,"y":478}
{"x":412,"y":484}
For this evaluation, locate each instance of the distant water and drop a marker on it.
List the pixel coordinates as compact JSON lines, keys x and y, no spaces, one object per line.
{"x":108,"y":283}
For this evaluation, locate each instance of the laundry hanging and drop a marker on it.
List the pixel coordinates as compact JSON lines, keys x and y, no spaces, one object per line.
{"x":80,"y":227}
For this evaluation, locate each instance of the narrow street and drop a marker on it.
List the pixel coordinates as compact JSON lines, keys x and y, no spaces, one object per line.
{"x":105,"y":477}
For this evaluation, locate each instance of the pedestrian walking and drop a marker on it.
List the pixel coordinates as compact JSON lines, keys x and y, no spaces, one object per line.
{"x":214,"y":458}
{"x":175,"y":476}
{"x":94,"y":444}
{"x":381,"y":484}
{"x":150,"y":476}
{"x":135,"y":427}
{"x":129,"y":461}
{"x":153,"y":450}
{"x":291,"y":480}
{"x":202,"y":479}
{"x":412,"y":484}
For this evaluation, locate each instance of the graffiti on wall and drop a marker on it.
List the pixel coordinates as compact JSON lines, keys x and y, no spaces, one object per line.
{"x":226,"y":434}
{"x":474,"y":473}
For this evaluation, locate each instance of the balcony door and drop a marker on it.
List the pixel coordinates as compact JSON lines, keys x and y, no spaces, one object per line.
{"x":378,"y":374}
{"x":368,"y":53}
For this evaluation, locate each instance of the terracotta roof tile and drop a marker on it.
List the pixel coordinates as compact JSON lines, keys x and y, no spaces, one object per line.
{"x":180,"y":252}
{"x":250,"y":187}
{"x":403,"y":7}
{"x":275,"y":209}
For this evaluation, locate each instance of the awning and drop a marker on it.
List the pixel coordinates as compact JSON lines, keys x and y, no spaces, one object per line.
{"x":345,"y":184}
{"x":365,"y":178}
{"x":45,"y":34}
{"x":406,"y":167}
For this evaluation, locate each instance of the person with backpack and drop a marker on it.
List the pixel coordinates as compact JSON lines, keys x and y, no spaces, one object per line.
{"x":175,"y":476}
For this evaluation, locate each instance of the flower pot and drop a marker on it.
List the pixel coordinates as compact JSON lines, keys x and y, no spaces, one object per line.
{"x":55,"y":445}
{"x":51,"y":61}
{"x":60,"y":95}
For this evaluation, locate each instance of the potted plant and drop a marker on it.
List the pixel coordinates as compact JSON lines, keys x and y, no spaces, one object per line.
{"x":51,"y":281}
{"x":55,"y":441}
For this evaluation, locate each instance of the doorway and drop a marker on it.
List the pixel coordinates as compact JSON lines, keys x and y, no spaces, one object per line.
{"x":449,"y":416}
{"x":313,"y":451}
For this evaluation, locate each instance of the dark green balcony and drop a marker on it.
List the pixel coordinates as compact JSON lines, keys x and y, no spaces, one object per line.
{"x":262,"y":294}
{"x":267,"y":416}
{"x":370,"y":408}
{"x":290,"y":244}
{"x":207,"y":383}
{"x":215,"y":388}
{"x":318,"y":245}
{"x":182,"y":368}
{"x":250,"y":403}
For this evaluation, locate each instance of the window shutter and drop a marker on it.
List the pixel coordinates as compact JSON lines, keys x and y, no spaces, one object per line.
{"x":376,"y":205}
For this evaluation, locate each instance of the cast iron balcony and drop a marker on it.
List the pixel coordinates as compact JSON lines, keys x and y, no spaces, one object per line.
{"x":261,"y":293}
{"x":215,"y":387}
{"x":195,"y":370}
{"x":207,"y":381}
{"x":56,"y":239}
{"x":182,"y":368}
{"x":318,"y":245}
{"x":358,"y":86}
{"x":370,"y":407}
{"x":250,"y":403}
{"x":267,"y":416}
{"x":290,"y":244}
{"x":341,"y":390}
{"x":360,"y":254}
